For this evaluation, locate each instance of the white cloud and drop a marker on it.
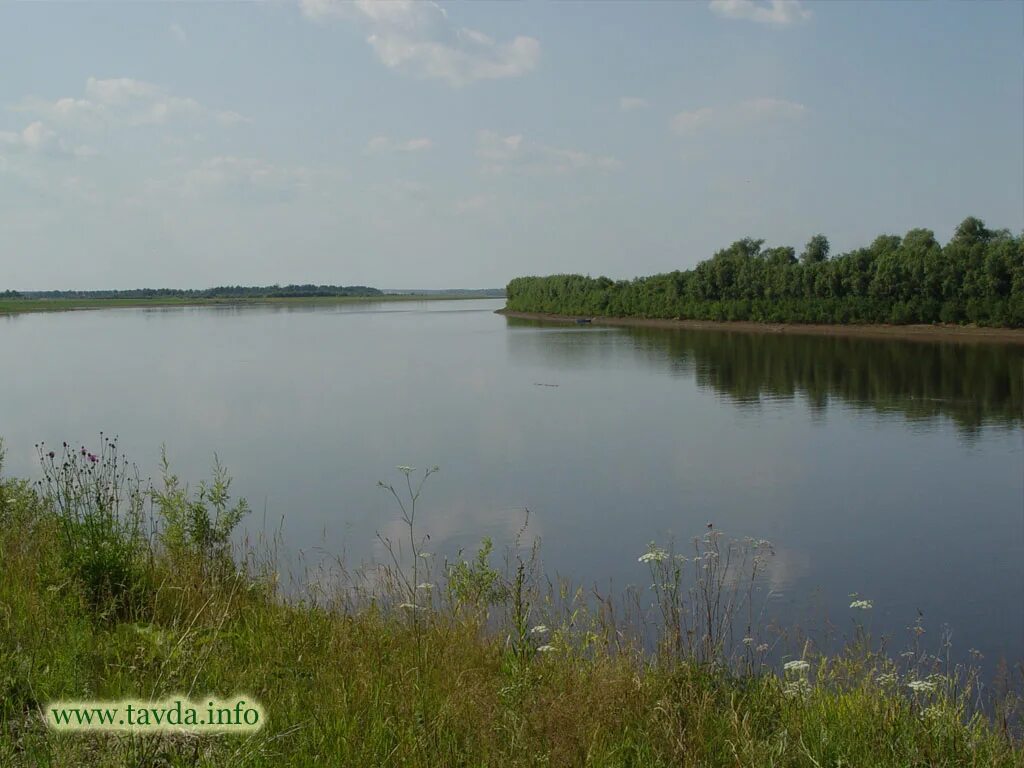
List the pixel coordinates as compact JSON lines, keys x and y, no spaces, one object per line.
{"x":771,"y":108}
{"x":37,"y":138}
{"x":688,"y":122}
{"x":401,"y":190}
{"x":176,"y":31}
{"x":123,"y":101}
{"x":779,"y":13}
{"x":512,"y":153}
{"x":82,"y":190}
{"x":240,"y":173}
{"x":630,"y":103}
{"x":416,"y":37}
{"x":472,"y":204}
{"x":741,"y":113}
{"x":381,"y":144}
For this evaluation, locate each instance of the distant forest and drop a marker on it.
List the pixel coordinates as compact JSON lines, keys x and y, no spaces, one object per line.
{"x":977,"y":277}
{"x":220,"y":292}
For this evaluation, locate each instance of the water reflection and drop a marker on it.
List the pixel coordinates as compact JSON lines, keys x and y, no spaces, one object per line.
{"x":973,"y":385}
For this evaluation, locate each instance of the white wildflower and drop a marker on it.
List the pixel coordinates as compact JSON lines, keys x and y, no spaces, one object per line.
{"x":921,"y":686}
{"x":410,"y":607}
{"x":546,"y":648}
{"x":540,"y":629}
{"x":426,"y":585}
{"x":762,"y":648}
{"x":797,"y":689}
{"x":405,"y":468}
{"x":797,"y":665}
{"x":653,"y":555}
{"x":748,"y":641}
{"x":426,"y":555}
{"x":863,"y":605}
{"x":887,"y":678}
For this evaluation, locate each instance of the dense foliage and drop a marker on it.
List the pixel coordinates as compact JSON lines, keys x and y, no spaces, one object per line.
{"x":977,"y":277}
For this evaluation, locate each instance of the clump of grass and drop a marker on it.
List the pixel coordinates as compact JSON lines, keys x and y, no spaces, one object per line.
{"x":499,"y":667}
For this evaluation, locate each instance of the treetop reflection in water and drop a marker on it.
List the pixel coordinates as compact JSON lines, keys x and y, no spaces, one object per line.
{"x":974,"y":385}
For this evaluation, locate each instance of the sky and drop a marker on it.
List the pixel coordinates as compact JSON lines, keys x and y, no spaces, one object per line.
{"x":413,"y":144}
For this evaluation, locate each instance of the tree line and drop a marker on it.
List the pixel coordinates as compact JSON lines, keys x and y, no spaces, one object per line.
{"x":977,"y":277}
{"x":219,"y":292}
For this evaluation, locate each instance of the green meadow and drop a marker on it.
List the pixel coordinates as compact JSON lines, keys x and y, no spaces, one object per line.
{"x":115,"y":588}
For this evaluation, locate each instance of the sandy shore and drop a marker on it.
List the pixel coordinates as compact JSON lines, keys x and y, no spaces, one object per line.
{"x":957,"y":333}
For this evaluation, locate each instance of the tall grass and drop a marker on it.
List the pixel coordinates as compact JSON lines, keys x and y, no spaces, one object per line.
{"x":421,"y":663}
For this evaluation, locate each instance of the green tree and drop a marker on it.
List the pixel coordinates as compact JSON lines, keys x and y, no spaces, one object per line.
{"x":816,"y":250}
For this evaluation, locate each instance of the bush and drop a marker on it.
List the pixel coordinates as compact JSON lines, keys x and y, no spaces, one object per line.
{"x":199,"y":525}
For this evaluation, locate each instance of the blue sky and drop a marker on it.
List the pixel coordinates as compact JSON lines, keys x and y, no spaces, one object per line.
{"x":458,"y":145}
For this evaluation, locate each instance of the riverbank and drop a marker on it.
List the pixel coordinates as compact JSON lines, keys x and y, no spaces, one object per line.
{"x":955,"y":333}
{"x":420,"y":664}
{"x":23,"y":306}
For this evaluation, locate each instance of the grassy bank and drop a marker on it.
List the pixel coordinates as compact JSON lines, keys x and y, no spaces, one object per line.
{"x":20,"y":306}
{"x":111,"y":589}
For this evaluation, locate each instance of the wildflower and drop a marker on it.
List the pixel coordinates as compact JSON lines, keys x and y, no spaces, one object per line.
{"x":921,"y":686}
{"x":797,"y":665}
{"x":410,"y":607}
{"x":797,"y":689}
{"x":546,"y":648}
{"x":864,"y":605}
{"x":762,"y":648}
{"x":653,"y":555}
{"x":426,"y":555}
{"x":887,"y":678}
{"x":540,"y":629}
{"x":425,"y":585}
{"x":748,"y":641}
{"x":51,"y":454}
{"x":405,"y":468}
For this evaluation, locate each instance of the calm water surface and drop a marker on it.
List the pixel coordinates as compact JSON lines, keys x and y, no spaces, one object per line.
{"x":887,"y":468}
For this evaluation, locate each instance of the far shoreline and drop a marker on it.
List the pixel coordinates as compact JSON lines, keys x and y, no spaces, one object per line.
{"x":15,"y":307}
{"x":947,"y":333}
